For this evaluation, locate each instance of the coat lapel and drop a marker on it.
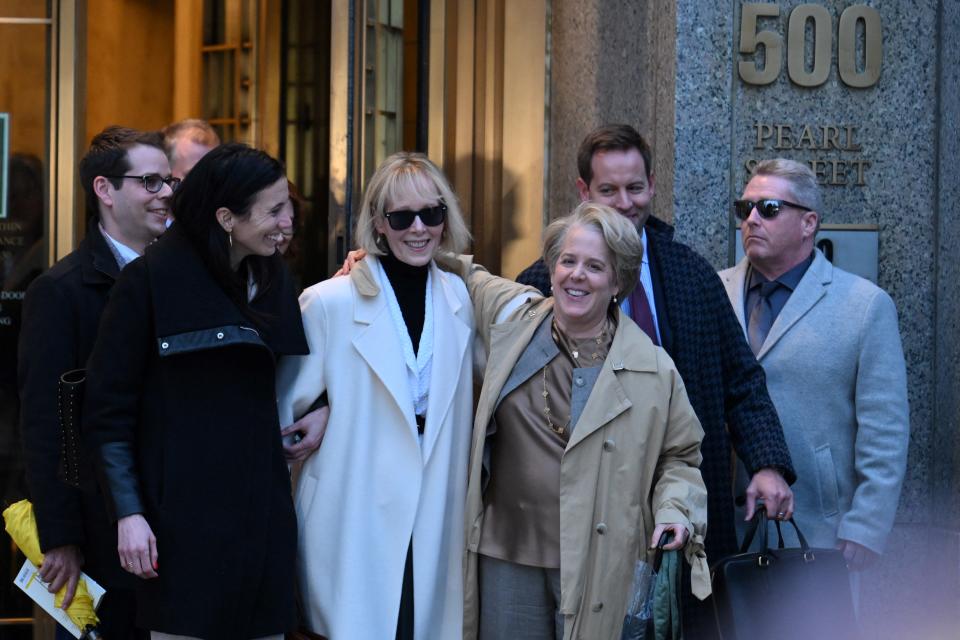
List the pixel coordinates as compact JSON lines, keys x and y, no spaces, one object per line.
{"x":631,"y":350}
{"x":535,"y":356}
{"x":378,"y":344}
{"x":812,"y":287}
{"x":101,"y":268}
{"x":451,"y":336}
{"x":733,"y":282}
{"x":508,"y":341}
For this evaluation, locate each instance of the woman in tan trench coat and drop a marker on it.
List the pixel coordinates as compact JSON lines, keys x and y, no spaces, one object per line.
{"x":626,"y":459}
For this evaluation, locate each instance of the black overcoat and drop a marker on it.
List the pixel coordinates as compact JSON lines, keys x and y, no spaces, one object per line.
{"x":181,"y":406}
{"x":61,"y":314}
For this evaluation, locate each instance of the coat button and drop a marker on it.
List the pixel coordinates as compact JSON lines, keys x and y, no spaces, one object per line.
{"x":608,"y":445}
{"x":601,"y":528}
{"x":219,"y":335}
{"x":597,"y":606}
{"x":164,"y":345}
{"x":532,"y":314}
{"x":579,"y":381}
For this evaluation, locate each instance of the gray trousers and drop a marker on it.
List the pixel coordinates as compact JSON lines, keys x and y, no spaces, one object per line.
{"x":517,"y":601}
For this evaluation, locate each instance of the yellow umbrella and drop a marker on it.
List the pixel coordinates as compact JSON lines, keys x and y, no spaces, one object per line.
{"x":22,"y":528}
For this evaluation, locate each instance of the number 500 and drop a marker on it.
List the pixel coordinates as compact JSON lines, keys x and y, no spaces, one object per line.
{"x":772,"y":43}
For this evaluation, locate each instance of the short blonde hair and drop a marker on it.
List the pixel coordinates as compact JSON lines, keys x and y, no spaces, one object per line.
{"x":804,"y":188}
{"x":619,"y":234}
{"x":409,"y":174}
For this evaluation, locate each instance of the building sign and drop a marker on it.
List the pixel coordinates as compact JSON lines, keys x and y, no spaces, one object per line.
{"x":831,"y":139}
{"x":858,"y":66}
{"x":4,"y":161}
{"x":806,"y":42}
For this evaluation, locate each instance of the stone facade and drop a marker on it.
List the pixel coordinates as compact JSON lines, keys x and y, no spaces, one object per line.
{"x":891,"y":152}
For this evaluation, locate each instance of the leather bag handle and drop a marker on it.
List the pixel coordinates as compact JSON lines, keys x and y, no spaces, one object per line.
{"x":803,"y":541}
{"x":760,"y":521}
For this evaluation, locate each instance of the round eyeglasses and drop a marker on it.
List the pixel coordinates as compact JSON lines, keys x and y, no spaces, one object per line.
{"x":153,"y":182}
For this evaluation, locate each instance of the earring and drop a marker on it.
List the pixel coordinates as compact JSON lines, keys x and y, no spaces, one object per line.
{"x":616,"y":300}
{"x":381,"y":242}
{"x":230,"y":238}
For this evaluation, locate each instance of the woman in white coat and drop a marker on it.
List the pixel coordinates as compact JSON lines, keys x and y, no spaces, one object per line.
{"x":380,"y":504}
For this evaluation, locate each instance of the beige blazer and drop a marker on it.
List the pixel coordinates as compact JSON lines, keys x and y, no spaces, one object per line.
{"x":632,"y":462}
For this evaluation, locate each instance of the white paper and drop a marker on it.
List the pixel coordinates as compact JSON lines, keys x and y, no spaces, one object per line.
{"x":28,"y":579}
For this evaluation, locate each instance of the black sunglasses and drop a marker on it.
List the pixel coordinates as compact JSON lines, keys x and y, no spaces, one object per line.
{"x":767,"y":208}
{"x":403,"y":218}
{"x":153,"y":182}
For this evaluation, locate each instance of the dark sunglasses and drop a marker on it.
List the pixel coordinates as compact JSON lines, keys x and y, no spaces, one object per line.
{"x":767,"y":208}
{"x":153,"y":182}
{"x":403,"y":218}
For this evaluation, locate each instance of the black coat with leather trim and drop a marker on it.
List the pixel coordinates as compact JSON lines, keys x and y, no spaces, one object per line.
{"x":181,"y":406}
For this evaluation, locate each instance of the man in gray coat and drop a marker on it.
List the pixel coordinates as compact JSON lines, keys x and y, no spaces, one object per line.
{"x":829,"y":343}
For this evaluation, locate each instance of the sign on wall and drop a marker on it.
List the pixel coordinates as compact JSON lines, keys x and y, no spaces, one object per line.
{"x":812,"y":83}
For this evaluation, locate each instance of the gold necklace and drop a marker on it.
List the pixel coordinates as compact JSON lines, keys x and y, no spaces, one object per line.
{"x":566,"y":344}
{"x":557,"y":429}
{"x":560,"y":338}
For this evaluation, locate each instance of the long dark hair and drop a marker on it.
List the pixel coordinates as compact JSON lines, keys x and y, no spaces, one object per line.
{"x":230,"y":176}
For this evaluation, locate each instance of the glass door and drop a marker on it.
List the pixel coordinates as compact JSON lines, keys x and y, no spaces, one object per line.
{"x":31,"y":185}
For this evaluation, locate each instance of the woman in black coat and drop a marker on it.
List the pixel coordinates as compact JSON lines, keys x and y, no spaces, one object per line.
{"x":181,"y":407}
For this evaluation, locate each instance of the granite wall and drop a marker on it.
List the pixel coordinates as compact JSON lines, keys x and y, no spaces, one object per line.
{"x":888,"y":154}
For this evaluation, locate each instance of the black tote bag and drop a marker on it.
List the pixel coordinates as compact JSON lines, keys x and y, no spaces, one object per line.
{"x":787,"y":594}
{"x":70,"y":389}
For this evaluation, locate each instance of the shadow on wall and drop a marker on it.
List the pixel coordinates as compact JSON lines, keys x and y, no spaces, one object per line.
{"x":490,"y":207}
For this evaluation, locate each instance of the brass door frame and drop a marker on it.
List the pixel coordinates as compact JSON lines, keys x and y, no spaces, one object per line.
{"x":66,"y":73}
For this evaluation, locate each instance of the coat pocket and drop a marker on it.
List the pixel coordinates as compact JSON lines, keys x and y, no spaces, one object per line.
{"x":827,"y":476}
{"x":306,"y":490}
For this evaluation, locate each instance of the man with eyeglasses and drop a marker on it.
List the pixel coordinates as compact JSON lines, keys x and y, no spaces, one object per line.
{"x":680,"y":303}
{"x":830,"y":345}
{"x":126,"y":178}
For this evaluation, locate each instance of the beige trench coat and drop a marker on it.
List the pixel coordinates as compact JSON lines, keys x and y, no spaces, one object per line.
{"x":631,"y":463}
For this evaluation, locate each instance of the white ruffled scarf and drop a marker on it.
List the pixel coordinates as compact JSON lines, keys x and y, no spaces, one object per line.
{"x":419,"y":365}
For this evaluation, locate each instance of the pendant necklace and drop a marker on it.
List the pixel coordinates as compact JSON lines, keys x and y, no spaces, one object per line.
{"x":565,"y":345}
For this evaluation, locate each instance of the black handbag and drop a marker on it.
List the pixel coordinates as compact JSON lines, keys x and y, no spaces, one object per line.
{"x":796,"y":593}
{"x":70,"y":400}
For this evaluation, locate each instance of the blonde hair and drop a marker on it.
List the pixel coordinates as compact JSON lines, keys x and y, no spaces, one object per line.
{"x":619,"y":234}
{"x":409,"y":174}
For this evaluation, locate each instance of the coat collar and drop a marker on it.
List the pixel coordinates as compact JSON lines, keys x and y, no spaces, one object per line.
{"x":187,"y":298}
{"x":812,"y":287}
{"x":631,"y":350}
{"x":376,"y":342}
{"x":100,"y":267}
{"x":510,"y":342}
{"x":658,"y":227}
